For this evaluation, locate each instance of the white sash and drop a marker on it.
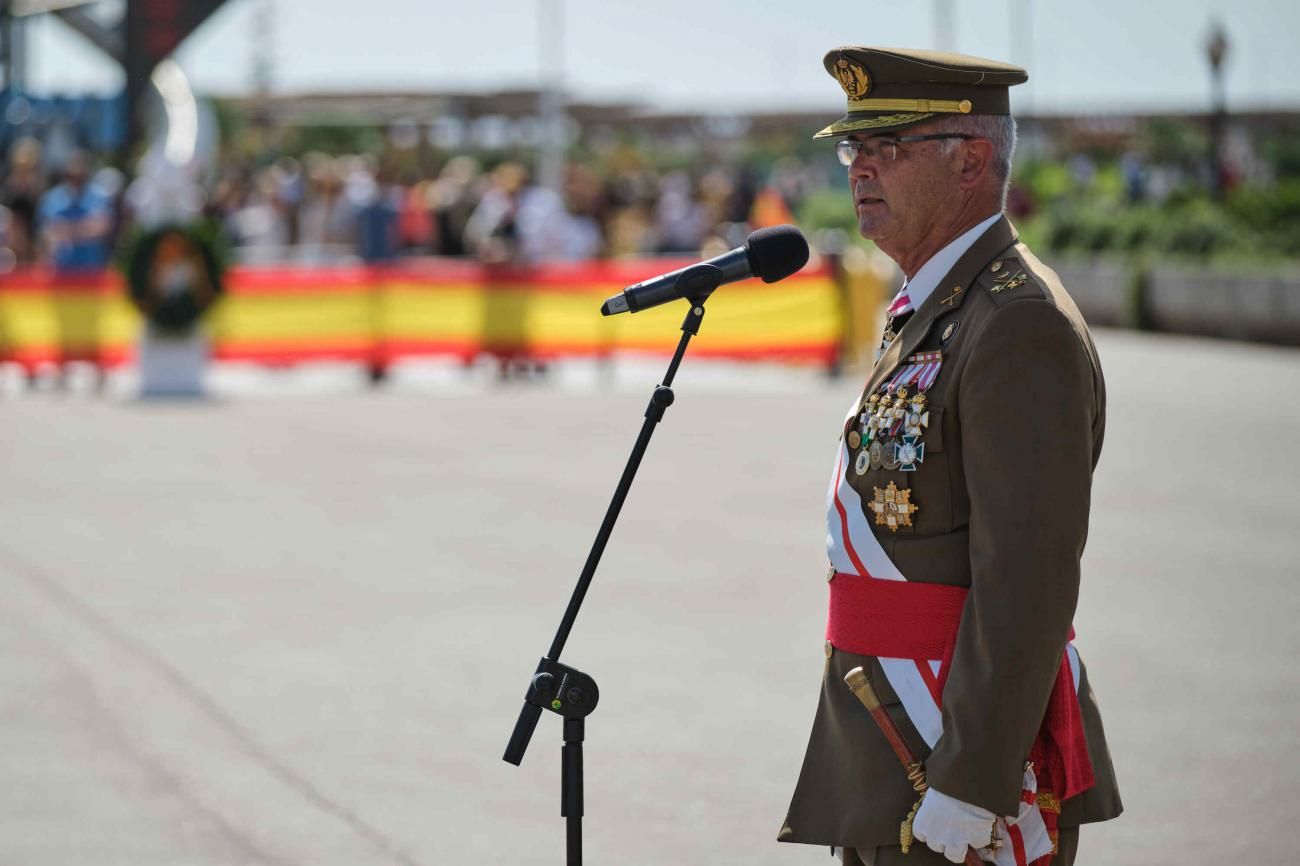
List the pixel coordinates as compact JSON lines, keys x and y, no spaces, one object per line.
{"x":854,"y":549}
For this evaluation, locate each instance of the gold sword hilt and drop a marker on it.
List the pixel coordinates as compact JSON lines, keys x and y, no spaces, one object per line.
{"x":861,"y":687}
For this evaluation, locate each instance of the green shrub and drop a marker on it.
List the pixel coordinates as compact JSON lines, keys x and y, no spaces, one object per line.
{"x":829,"y":209}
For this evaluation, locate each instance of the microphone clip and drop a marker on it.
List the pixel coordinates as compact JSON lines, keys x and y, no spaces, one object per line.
{"x":697,"y":282}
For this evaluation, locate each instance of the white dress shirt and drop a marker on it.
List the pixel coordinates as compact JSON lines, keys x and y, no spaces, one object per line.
{"x":927,"y":278}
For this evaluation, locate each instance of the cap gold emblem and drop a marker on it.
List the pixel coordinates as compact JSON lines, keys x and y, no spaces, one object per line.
{"x":853,"y":78}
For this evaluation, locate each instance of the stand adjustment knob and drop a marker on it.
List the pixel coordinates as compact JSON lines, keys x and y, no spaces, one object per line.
{"x":544,"y":683}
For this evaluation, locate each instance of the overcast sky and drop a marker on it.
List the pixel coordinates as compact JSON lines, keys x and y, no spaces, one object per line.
{"x":720,"y":54}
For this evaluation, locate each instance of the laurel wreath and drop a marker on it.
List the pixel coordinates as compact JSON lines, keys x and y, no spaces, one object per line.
{"x":200,"y":250}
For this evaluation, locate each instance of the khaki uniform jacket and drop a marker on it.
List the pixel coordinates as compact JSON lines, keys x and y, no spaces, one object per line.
{"x":1016,"y":421}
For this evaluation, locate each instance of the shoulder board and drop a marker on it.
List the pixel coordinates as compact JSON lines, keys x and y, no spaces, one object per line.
{"x":1008,"y":278}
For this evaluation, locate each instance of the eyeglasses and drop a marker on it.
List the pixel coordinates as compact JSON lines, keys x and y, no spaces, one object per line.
{"x":884,"y":149}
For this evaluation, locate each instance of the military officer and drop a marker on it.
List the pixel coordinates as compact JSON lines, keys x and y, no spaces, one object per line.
{"x":958,"y":510}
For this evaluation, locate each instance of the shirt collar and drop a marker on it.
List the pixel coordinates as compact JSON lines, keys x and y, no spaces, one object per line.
{"x":927,"y":278}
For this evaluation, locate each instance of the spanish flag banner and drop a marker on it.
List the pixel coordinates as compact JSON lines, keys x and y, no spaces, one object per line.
{"x":421,"y":307}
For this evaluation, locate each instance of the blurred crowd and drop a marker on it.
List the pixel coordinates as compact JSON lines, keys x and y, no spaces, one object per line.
{"x":69,"y":219}
{"x":1149,"y":191}
{"x":324,"y":209}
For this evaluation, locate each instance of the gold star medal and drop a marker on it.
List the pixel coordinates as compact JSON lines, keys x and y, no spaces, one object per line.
{"x":893,"y":507}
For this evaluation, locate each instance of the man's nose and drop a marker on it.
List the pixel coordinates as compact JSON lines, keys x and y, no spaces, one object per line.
{"x":863,"y":168}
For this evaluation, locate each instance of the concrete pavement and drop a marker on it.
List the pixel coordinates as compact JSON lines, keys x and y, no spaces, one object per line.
{"x":296,"y":628}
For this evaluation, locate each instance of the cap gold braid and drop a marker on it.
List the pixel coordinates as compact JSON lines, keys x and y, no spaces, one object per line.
{"x":918,"y":106}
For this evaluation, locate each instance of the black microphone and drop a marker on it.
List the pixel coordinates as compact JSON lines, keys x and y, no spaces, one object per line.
{"x":771,"y":254}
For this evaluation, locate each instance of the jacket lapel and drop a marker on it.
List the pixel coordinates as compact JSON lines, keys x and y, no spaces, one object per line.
{"x":947,"y":296}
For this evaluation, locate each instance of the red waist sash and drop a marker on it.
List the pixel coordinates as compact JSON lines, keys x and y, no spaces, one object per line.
{"x":896,"y":619}
{"x":906,"y":620}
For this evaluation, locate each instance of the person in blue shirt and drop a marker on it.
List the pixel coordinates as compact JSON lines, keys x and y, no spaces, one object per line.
{"x":76,"y":219}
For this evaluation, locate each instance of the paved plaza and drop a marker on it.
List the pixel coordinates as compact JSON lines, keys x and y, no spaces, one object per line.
{"x":293,"y":624}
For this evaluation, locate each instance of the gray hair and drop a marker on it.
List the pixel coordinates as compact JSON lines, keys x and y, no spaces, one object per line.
{"x":1000,"y":130}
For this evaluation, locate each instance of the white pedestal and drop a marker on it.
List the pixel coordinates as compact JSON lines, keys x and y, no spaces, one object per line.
{"x":172,"y":365}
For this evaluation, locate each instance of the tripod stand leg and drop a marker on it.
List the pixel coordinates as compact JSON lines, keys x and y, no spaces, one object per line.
{"x":571,"y":788}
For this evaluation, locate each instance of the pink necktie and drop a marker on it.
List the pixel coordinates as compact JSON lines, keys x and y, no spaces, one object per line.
{"x":902,"y":304}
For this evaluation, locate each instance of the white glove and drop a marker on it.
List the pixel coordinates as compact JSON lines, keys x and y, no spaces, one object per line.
{"x":950,"y":826}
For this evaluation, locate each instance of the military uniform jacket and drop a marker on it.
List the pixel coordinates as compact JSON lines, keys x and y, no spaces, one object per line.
{"x":1017,"y":415}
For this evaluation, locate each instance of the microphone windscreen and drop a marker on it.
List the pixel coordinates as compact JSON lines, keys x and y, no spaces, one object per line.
{"x":777,"y":252}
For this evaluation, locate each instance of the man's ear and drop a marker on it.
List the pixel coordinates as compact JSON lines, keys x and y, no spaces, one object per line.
{"x":976,"y":162}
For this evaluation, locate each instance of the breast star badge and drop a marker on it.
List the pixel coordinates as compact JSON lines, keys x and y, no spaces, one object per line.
{"x":893,"y":507}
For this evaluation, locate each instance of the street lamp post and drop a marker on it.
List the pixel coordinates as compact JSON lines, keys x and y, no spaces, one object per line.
{"x":945,"y":25}
{"x":551,"y":154}
{"x":1216,"y":49}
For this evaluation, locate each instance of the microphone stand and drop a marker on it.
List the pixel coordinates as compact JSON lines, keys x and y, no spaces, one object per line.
{"x":564,"y":690}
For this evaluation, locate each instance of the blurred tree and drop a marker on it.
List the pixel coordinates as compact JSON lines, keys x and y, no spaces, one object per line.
{"x":830,"y":209}
{"x":1173,"y":142}
{"x":334,"y":138}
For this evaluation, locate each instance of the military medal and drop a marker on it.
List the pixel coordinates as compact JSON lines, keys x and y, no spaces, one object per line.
{"x":862,"y":464}
{"x":867,"y":420}
{"x":877,"y":418}
{"x":855,"y":439}
{"x":877,"y":452}
{"x":917,"y":416}
{"x":886,"y":418}
{"x":889,"y":455}
{"x":893,"y":507}
{"x":898,"y":413}
{"x":887,"y":338}
{"x":909,"y":453}
{"x":895,"y":410}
